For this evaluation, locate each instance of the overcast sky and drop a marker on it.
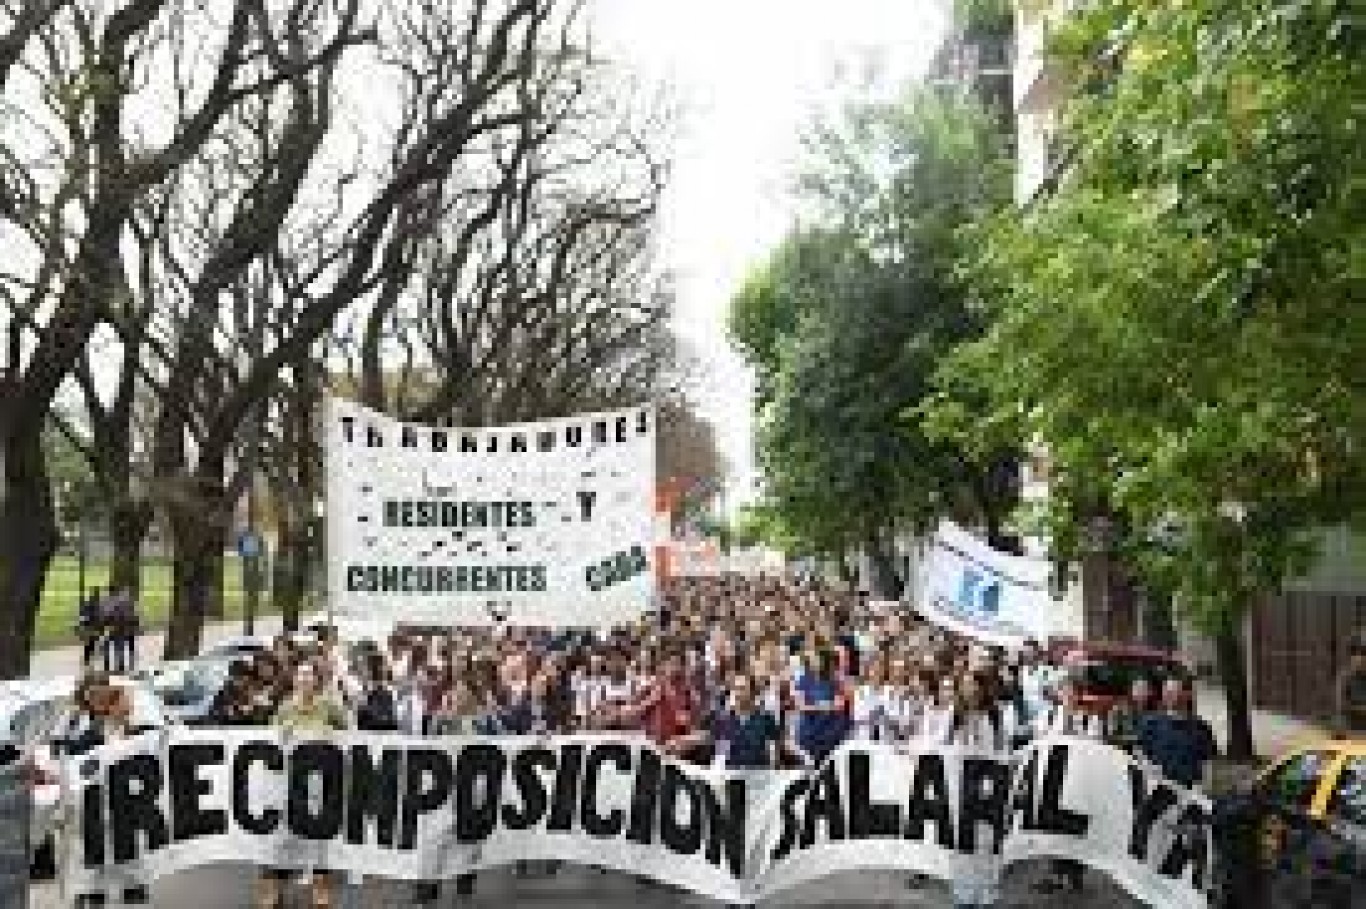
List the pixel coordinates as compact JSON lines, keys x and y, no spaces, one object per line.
{"x":749,"y":74}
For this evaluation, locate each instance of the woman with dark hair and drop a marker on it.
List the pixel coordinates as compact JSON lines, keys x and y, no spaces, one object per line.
{"x":822,"y":709}
{"x":976,"y":721}
{"x":376,"y":705}
{"x":976,"y":727}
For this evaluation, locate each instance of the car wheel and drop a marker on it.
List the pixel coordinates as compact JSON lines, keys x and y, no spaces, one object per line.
{"x":44,"y":864}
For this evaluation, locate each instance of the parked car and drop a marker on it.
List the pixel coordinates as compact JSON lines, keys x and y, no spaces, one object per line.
{"x":187,"y":689}
{"x":241,"y":645}
{"x":1105,"y":673}
{"x":34,"y":718}
{"x":1296,"y":834}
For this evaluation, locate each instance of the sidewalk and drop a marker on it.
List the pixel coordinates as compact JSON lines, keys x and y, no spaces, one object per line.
{"x":1272,"y":733}
{"x":65,"y":661}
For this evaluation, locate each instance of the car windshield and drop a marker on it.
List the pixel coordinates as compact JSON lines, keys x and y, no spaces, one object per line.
{"x":1115,"y":677}
{"x":189,"y":685}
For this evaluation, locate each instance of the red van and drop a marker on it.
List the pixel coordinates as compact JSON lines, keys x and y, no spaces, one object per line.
{"x":1105,"y":672}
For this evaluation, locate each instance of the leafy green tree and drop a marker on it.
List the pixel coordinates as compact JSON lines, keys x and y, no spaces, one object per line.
{"x":848,"y":322}
{"x":1181,"y":322}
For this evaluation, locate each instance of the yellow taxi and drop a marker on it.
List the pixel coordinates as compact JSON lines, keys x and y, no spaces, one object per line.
{"x":1296,"y":834}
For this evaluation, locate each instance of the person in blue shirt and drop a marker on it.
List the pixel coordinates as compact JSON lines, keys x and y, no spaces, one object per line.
{"x":1175,"y":739}
{"x":746,"y":735}
{"x":822,"y":710}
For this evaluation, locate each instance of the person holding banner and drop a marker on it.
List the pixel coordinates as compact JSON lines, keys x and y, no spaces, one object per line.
{"x":822,"y":707}
{"x":670,"y":712}
{"x":308,"y":711}
{"x":111,"y":713}
{"x":746,"y":735}
{"x":975,"y":726}
{"x":869,"y":714}
{"x":1066,"y":718}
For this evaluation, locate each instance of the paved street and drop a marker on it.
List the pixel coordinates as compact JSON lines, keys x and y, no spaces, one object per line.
{"x":229,"y":887}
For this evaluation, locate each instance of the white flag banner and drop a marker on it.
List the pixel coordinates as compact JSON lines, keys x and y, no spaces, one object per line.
{"x":982,"y":593}
{"x":548,"y":523}
{"x":433,"y":808}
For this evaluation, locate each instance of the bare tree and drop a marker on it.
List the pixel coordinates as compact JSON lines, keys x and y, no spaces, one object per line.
{"x":78,"y":222}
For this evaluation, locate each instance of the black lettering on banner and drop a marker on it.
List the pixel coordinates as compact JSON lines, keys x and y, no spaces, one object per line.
{"x":405,"y":514}
{"x":985,"y":792}
{"x":621,"y":425}
{"x":374,"y":794}
{"x":681,"y":838}
{"x":645,"y":799}
{"x":270,"y":756}
{"x":573,"y":436}
{"x":92,"y":825}
{"x":930,"y":801}
{"x":566,"y":797}
{"x":530,"y":788}
{"x":134,"y":787}
{"x":595,"y":824}
{"x":188,"y":818}
{"x":427,"y":777}
{"x":726,"y":824}
{"x":1022,"y":799}
{"x":868,"y":819}
{"x":408,"y":437}
{"x":348,"y":429}
{"x":518,"y":443}
{"x":373,"y":438}
{"x":469,"y":445}
{"x":355,"y":578}
{"x":1148,"y":808}
{"x":586,"y":502}
{"x":1052,"y":817}
{"x":795,"y":792}
{"x":824,"y":804}
{"x":1190,"y":847}
{"x":391,"y":517}
{"x":317,"y":818}
{"x":440,"y":441}
{"x":478,"y":789}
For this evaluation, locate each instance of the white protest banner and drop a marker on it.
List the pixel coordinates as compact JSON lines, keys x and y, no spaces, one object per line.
{"x":979,"y":592}
{"x":548,"y":523}
{"x":1154,"y":838}
{"x":430,"y":809}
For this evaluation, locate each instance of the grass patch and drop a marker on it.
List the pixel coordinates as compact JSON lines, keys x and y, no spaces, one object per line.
{"x":61,"y":596}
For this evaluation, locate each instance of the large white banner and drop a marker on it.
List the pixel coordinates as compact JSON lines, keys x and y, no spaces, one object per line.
{"x":429,"y":809}
{"x":974,"y":590}
{"x":548,"y":523}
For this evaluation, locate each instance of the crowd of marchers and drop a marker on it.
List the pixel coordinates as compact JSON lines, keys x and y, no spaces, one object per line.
{"x":735,"y":671}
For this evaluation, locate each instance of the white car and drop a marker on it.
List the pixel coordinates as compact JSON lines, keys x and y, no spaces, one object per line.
{"x":239,"y":645}
{"x":36,"y":718}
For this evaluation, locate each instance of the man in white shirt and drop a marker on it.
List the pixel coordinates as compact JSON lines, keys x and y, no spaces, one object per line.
{"x":1036,"y":680}
{"x":1068,"y":718}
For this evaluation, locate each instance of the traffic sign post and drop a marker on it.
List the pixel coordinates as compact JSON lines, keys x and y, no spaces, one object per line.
{"x":249,"y":550}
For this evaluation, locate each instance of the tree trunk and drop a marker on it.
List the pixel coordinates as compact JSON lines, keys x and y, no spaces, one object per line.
{"x":1159,"y":625}
{"x":199,"y":531}
{"x":28,"y":541}
{"x":293,"y":564}
{"x":129,"y":523}
{"x":1232,"y":663}
{"x":887,"y":583}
